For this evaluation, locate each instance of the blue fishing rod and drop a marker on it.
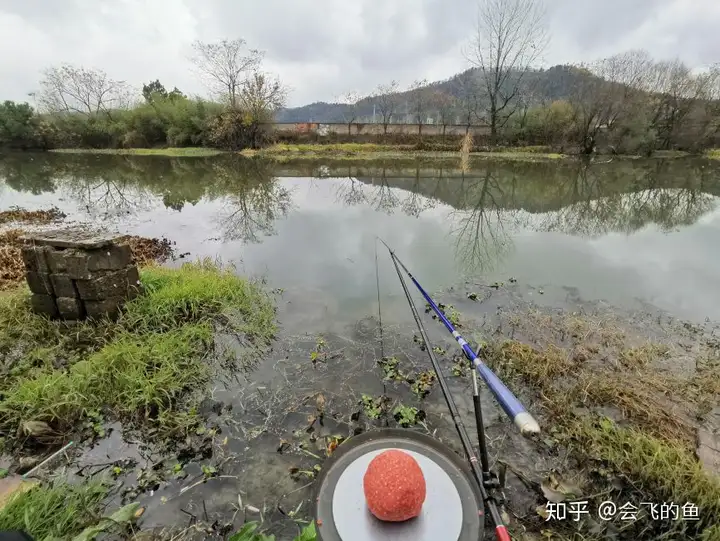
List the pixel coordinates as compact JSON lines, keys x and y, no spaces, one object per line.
{"x":522,"y":419}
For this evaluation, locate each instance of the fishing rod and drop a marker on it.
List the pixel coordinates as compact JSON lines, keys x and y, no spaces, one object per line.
{"x":481,"y":477}
{"x":522,"y":419}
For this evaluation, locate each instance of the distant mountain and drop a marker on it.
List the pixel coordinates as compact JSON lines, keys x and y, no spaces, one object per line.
{"x":544,"y":86}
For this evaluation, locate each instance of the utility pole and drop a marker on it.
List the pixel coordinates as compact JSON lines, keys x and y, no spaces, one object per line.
{"x":373,"y":113}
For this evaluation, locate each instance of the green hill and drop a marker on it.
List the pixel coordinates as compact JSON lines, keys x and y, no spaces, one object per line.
{"x":544,"y":86}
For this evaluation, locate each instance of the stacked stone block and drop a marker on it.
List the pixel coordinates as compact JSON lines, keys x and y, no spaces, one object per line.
{"x":74,"y":275}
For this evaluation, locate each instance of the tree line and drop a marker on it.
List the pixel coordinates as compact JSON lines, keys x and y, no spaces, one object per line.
{"x":627,"y":103}
{"x":81,"y":107}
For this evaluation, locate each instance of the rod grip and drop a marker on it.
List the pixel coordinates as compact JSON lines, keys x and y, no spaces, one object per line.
{"x":525,"y":422}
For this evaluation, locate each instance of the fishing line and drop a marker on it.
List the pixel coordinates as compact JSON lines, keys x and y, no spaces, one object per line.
{"x":377,"y":282}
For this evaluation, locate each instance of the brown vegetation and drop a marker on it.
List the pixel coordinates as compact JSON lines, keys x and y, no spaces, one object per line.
{"x":621,"y":404}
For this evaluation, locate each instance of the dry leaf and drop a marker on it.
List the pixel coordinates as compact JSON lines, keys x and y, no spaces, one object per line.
{"x":557,"y":490}
{"x":542,"y":511}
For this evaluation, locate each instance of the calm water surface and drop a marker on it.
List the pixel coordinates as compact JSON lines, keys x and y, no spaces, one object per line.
{"x":624,"y":232}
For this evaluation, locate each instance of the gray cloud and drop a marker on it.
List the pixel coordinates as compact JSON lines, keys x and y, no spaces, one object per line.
{"x":322,"y":48}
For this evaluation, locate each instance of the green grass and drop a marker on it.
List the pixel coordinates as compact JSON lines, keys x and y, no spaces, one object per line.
{"x":172,"y":152}
{"x":370,"y":151}
{"x":334,"y":147}
{"x":662,"y":470}
{"x":713,"y":154}
{"x":138,"y":367}
{"x":57,"y":510}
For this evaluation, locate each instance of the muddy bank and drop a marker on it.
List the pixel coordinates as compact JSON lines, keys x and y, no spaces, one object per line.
{"x":268,"y":431}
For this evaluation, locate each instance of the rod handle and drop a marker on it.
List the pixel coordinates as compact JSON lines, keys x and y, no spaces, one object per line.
{"x":525,"y":422}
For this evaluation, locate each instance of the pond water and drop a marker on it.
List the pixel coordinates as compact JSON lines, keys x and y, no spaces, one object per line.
{"x":639,"y":235}
{"x":624,"y":232}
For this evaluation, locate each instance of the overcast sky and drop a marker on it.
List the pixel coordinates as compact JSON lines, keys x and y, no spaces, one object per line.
{"x":322,"y":48}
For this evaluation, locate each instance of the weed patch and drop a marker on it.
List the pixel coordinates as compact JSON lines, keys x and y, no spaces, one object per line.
{"x":18,"y":214}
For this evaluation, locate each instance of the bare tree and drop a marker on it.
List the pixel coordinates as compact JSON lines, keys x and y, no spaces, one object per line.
{"x":469,"y":100}
{"x":606,"y":93}
{"x":79,"y":90}
{"x":510,"y":39}
{"x":224,"y":65}
{"x":261,"y":95}
{"x":419,"y":102}
{"x":444,"y":104}
{"x":351,"y":101}
{"x":386,"y":98}
{"x":678,"y":93}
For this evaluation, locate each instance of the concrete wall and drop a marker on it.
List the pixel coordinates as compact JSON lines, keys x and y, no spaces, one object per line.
{"x":376,"y":129}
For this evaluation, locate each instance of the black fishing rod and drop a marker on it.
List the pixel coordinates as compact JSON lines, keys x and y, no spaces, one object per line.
{"x":500,"y":529}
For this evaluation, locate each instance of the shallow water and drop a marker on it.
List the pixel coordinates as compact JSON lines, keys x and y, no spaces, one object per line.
{"x":630,"y":234}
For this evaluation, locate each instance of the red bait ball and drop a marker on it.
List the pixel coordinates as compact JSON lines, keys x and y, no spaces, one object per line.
{"x":394,"y":486}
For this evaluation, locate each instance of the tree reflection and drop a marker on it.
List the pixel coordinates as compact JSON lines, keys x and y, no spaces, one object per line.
{"x":484,"y":207}
{"x":387,"y":194}
{"x":480,"y":227}
{"x":597,"y":211}
{"x":254,"y":200}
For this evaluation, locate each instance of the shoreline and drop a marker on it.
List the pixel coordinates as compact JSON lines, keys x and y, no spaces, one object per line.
{"x":375,"y":152}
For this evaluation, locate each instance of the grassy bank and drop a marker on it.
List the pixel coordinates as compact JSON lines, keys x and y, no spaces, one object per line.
{"x":369,"y":151}
{"x":625,"y":421}
{"x":59,"y":379}
{"x":184,"y":152}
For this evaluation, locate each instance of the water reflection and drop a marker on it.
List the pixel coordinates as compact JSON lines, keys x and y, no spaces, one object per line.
{"x":483,"y":210}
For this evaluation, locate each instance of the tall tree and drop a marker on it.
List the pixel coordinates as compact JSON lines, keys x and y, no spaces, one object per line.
{"x":606,"y":93}
{"x":386,"y":99}
{"x":510,"y":38}
{"x":68,"y":88}
{"x":224,"y":65}
{"x":678,"y":94}
{"x":153,"y":90}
